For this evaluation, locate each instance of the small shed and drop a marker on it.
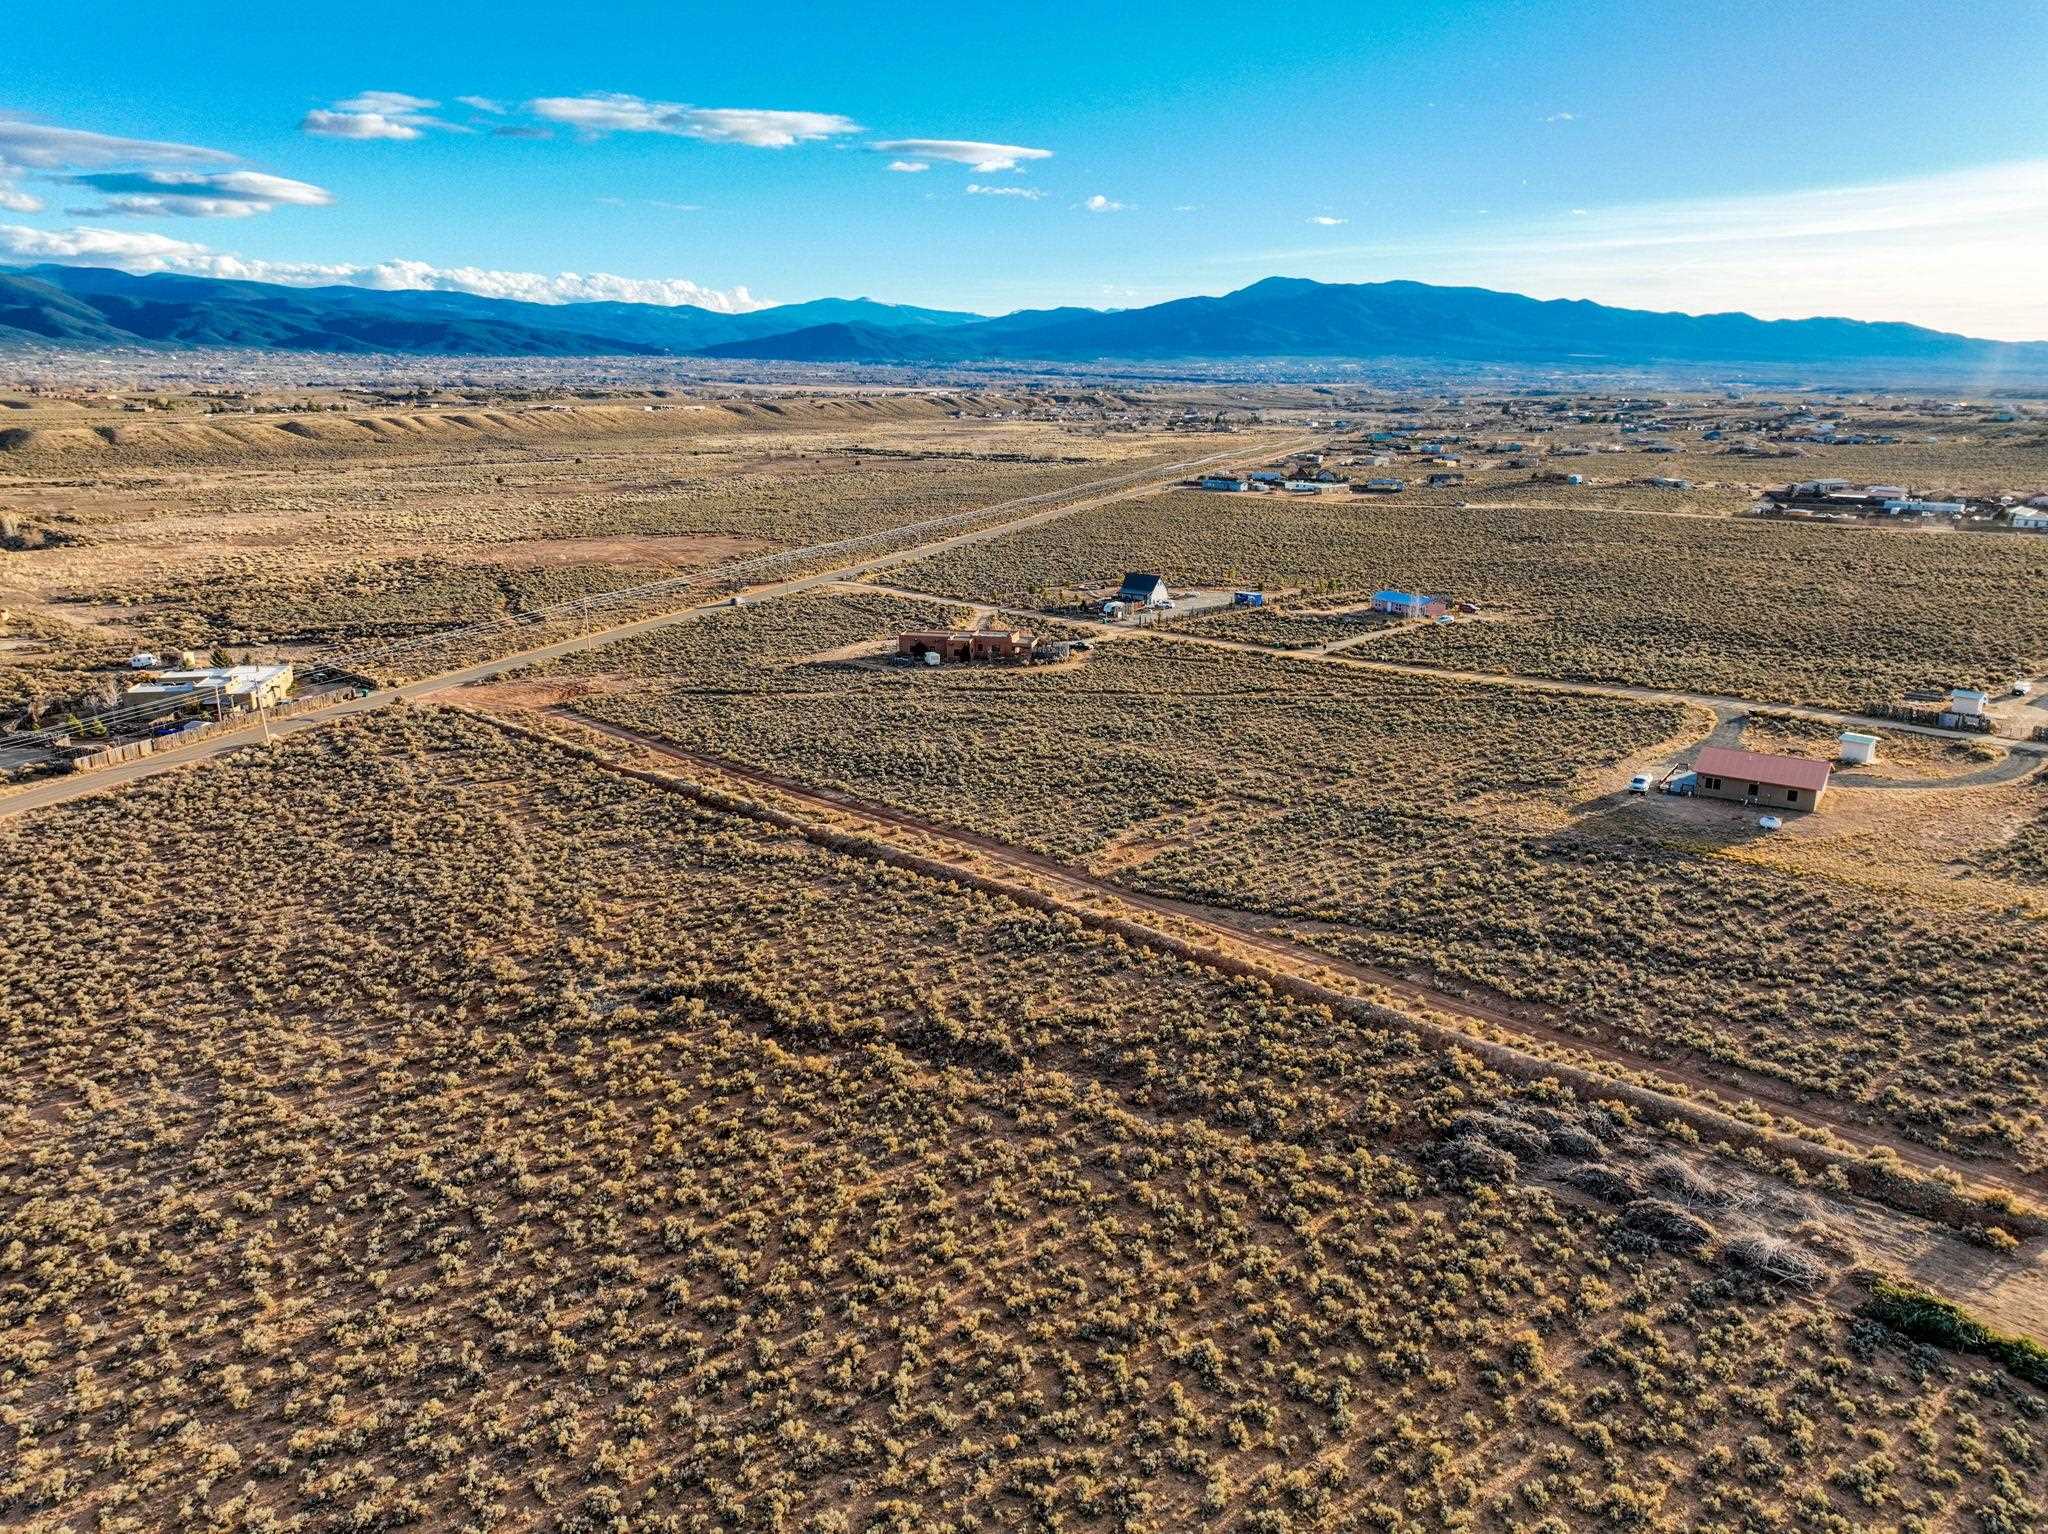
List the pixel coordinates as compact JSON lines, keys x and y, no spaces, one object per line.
{"x":1967,"y":701}
{"x":1858,"y":749}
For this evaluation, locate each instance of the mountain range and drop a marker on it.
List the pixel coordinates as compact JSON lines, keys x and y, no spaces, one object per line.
{"x":1279,"y":318}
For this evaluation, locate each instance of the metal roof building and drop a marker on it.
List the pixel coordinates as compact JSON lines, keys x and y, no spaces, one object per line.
{"x":1757,"y":777}
{"x":1142,"y":589}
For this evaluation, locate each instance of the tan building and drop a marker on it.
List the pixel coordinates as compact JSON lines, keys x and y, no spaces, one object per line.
{"x":1755,"y":777}
{"x":967,"y":644}
{"x":225,"y":688}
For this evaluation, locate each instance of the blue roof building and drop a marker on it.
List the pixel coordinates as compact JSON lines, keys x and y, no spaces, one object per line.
{"x":1409,"y":604}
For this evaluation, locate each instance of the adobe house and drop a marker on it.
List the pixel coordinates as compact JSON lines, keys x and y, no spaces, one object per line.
{"x":953,"y":645}
{"x":1756,"y":777}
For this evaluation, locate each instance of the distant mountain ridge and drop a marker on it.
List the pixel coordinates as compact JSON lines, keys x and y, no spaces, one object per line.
{"x":1292,"y":317}
{"x":97,"y":306}
{"x":1278,"y":318}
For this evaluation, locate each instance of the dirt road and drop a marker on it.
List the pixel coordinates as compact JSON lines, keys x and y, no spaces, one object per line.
{"x":1243,"y":931}
{"x":63,"y":790}
{"x":1515,"y":679}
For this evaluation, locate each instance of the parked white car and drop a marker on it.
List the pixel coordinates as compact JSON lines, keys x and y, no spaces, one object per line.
{"x":1639,"y":784}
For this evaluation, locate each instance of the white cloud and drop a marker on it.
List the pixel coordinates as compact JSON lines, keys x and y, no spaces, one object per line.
{"x":42,"y":147}
{"x":1326,"y":221}
{"x":482,"y":104}
{"x":757,"y":127}
{"x":764,"y":129}
{"x":1562,"y":117}
{"x":1101,"y":204}
{"x":1961,"y":250}
{"x":376,"y":115}
{"x":558,"y":288}
{"x":357,"y":125}
{"x":391,"y":103}
{"x":1028,"y":193}
{"x":134,"y":251}
{"x":970,"y":152}
{"x":126,"y":248}
{"x":39,"y":146}
{"x":908,"y":167}
{"x":198,"y":194}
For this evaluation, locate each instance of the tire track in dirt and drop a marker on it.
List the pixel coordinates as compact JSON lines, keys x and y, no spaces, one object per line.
{"x":1245,"y":932}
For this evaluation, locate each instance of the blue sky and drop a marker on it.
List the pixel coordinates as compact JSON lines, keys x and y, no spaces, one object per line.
{"x":1882,"y":159}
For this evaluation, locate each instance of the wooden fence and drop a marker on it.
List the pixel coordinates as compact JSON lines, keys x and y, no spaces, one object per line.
{"x":131,"y":750}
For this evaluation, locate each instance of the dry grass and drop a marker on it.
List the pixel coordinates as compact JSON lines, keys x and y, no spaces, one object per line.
{"x":1768,"y":612}
{"x":466,"y":1139}
{"x":1464,"y":834}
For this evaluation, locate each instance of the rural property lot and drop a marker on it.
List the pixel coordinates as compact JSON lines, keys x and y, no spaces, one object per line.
{"x":341,"y":541}
{"x":714,"y":1078}
{"x":1464,"y":834}
{"x":558,"y":1150}
{"x":1773,"y":613}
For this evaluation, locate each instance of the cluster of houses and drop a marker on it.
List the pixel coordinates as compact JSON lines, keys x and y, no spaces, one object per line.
{"x":1888,"y":500}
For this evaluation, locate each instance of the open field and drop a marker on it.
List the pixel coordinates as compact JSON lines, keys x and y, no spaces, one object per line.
{"x":1769,"y":612}
{"x":1199,"y":1082}
{"x":1468,"y":835}
{"x":556,"y":1152}
{"x":360,"y":540}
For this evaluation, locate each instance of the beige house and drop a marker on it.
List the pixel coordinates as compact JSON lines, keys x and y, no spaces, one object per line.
{"x":228,"y":688}
{"x":1755,"y":777}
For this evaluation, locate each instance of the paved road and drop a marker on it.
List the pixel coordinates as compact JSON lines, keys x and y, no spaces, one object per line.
{"x":1514,"y":679}
{"x":100,"y":780}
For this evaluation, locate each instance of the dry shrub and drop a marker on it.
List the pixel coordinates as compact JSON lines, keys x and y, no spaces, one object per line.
{"x":1605,"y":1183}
{"x":1658,"y":1222}
{"x":1686,"y":1183}
{"x":1774,"y":1257}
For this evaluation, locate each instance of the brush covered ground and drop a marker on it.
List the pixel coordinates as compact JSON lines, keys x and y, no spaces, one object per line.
{"x":1466,"y":834}
{"x":347,"y":538}
{"x":410,"y":1126}
{"x":1765,"y":611}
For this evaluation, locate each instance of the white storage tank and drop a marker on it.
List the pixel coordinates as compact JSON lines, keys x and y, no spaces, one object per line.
{"x":1857,"y":748}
